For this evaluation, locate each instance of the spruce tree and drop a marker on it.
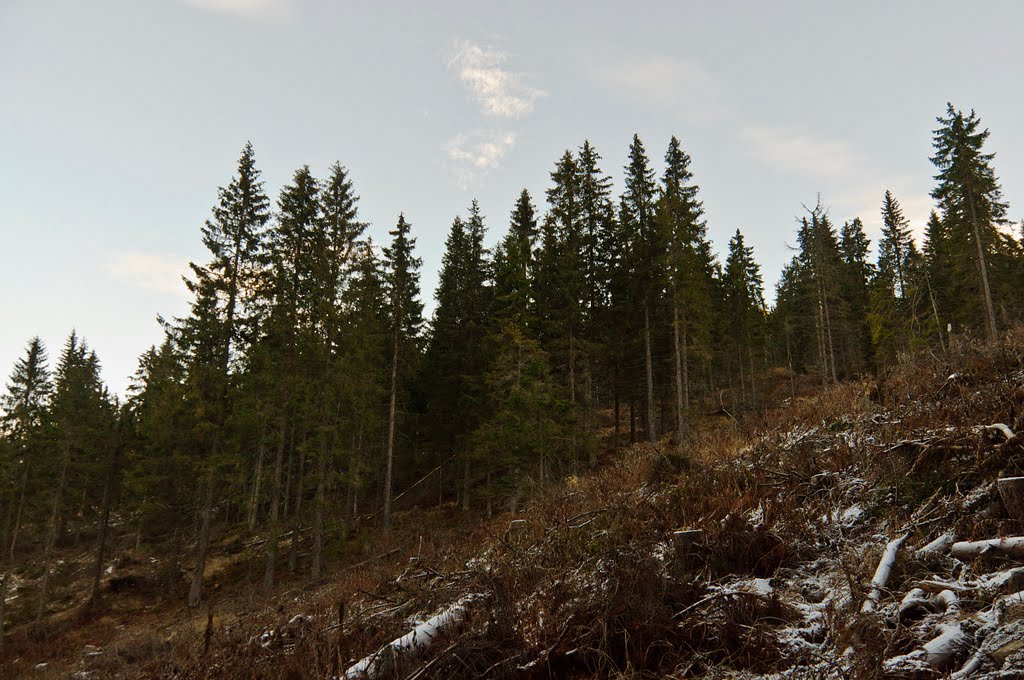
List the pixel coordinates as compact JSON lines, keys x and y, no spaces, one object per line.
{"x":646,"y":252}
{"x":220,"y":325}
{"x":24,"y":410}
{"x":969,"y":197}
{"x":689,"y":265}
{"x":404,"y":314}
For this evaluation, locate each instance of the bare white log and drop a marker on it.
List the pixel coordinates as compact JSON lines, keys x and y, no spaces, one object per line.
{"x":949,"y":601}
{"x":411,"y":644}
{"x":940,"y":545}
{"x":1002,"y":429}
{"x":881,"y":576}
{"x":915,"y":603}
{"x":939,"y":652}
{"x":1013,"y":545}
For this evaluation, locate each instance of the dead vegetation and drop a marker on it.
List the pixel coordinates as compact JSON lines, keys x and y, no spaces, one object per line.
{"x":749,"y":552}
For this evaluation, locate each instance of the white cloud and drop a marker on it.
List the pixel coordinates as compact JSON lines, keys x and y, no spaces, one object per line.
{"x":263,"y":10}
{"x":498,"y":91}
{"x":474,"y":154}
{"x":795,"y":151}
{"x":681,"y":85}
{"x":151,"y":271}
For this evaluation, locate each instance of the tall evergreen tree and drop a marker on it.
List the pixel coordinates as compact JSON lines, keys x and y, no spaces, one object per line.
{"x":689,"y":267}
{"x":646,"y":252}
{"x":24,"y":414}
{"x":405,"y":318}
{"x":969,"y":197}
{"x":220,"y":325}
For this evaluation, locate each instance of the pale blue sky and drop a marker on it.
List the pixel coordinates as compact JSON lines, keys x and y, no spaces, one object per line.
{"x":120,"y":118}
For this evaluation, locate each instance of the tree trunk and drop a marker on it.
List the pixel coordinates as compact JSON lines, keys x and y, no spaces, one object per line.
{"x":275,"y":510}
{"x":21,"y":504}
{"x":618,"y":426}
{"x":109,"y":492}
{"x":318,"y":522}
{"x":254,"y":501}
{"x":652,"y":429}
{"x":677,"y":356}
{"x":392,"y":416}
{"x":990,"y":312}
{"x":196,"y":590}
{"x":51,"y":535}
{"x":293,"y":553}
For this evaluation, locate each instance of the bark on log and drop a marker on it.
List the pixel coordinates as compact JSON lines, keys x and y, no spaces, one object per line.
{"x":941,"y":544}
{"x":1010,"y":546}
{"x":881,"y":576}
{"x":1011,"y":490}
{"x":939,"y":652}
{"x":412,"y":643}
{"x":1007,"y":433}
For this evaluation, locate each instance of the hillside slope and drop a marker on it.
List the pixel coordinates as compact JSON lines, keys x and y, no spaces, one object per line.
{"x":749,"y":554}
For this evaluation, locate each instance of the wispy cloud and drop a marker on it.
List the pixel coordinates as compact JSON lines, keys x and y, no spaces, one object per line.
{"x":151,"y":271}
{"x":793,"y":150}
{"x":681,"y":85}
{"x":260,"y":10}
{"x":499,"y":91}
{"x":475,"y":153}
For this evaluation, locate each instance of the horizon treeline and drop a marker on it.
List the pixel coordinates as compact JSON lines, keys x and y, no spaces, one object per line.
{"x":304,"y":390}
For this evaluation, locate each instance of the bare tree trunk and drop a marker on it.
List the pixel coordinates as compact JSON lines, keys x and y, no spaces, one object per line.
{"x":257,"y":483}
{"x":618,"y":416}
{"x":21,"y":504}
{"x":789,"y":360}
{"x":293,"y":553}
{"x":589,"y":429}
{"x":109,"y":493}
{"x":465,"y":484}
{"x":686,"y":367}
{"x":993,"y":332}
{"x":677,"y":355}
{"x":935,"y":310}
{"x":652,"y":428}
{"x":831,"y":349}
{"x":392,"y":416}
{"x":632,"y":421}
{"x":275,"y":508}
{"x":51,"y":535}
{"x":196,"y":590}
{"x":318,"y":522}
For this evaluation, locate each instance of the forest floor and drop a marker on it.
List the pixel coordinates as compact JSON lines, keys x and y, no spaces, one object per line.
{"x":749,"y":553}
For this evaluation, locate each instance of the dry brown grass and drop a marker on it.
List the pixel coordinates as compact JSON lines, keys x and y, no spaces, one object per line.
{"x":588,"y":582}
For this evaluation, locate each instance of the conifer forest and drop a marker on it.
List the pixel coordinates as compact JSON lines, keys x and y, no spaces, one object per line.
{"x":306,"y":412}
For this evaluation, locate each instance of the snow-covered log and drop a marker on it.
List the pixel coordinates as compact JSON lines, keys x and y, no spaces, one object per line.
{"x":412,"y":643}
{"x":939,"y":545}
{"x":1002,"y":429}
{"x":915,"y":604}
{"x":1011,"y":490}
{"x":939,"y":652}
{"x":949,"y":601}
{"x":1010,"y":546}
{"x":881,"y":576}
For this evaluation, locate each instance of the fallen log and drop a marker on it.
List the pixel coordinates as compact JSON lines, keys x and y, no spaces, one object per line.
{"x":1010,"y":546}
{"x":411,"y":644}
{"x":881,"y":576}
{"x":940,"y":652}
{"x":1004,"y":430}
{"x":940,"y":545}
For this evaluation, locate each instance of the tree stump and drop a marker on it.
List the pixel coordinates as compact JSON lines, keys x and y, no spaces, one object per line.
{"x":1011,"y":490}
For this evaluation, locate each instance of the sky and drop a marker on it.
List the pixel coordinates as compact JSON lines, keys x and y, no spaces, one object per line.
{"x":120,"y":118}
